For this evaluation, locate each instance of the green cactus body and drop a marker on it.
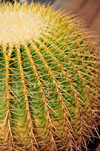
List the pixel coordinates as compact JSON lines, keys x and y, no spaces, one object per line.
{"x":48,"y":80}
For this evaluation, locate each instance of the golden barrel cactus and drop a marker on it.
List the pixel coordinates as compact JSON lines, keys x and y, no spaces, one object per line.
{"x":49,"y":80}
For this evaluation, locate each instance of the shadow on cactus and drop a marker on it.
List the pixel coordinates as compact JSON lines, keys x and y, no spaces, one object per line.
{"x":49,"y":80}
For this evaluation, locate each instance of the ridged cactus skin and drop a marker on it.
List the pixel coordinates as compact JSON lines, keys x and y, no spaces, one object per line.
{"x":49,"y":80}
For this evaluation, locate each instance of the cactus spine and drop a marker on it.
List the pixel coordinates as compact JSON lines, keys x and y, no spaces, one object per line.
{"x":48,"y":80}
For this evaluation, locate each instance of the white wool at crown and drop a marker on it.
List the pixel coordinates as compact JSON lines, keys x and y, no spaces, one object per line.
{"x":19,"y":25}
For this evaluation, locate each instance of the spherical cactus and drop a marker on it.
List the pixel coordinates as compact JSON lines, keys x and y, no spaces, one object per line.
{"x":49,"y":80}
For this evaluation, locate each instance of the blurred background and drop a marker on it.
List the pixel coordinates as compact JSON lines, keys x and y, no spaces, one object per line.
{"x":42,"y":1}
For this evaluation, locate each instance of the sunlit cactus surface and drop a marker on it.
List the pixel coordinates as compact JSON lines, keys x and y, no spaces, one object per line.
{"x":49,"y":80}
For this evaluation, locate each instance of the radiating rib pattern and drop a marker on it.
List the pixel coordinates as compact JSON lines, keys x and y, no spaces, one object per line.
{"x":49,"y":85}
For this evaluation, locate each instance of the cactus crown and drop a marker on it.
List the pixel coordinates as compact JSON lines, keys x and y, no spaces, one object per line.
{"x":20,"y":23}
{"x":48,"y":80}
